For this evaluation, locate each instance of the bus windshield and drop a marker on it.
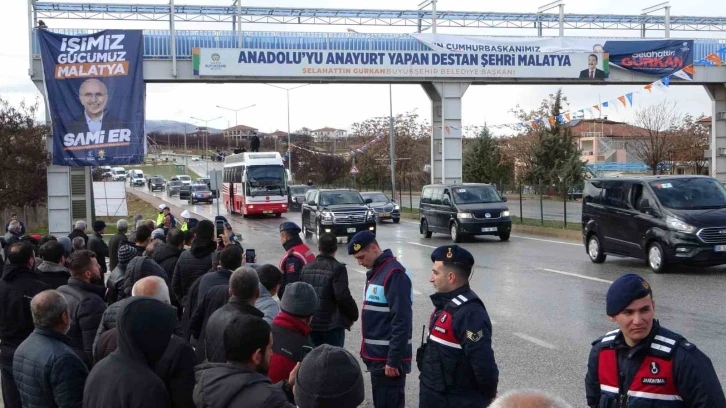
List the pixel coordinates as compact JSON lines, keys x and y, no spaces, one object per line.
{"x":264,"y":180}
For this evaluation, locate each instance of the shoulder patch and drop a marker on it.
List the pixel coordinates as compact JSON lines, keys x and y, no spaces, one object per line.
{"x":687,"y":345}
{"x":475,"y":337}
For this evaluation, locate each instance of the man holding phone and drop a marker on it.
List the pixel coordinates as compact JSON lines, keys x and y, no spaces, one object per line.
{"x":291,"y":329}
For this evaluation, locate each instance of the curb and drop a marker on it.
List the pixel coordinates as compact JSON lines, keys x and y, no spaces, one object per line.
{"x":156,"y":201}
{"x":530,"y":229}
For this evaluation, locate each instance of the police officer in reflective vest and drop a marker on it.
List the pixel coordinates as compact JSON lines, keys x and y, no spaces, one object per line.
{"x":163,"y":211}
{"x":297,"y":254}
{"x":457,"y":362}
{"x":386,"y":320}
{"x":642,"y":364}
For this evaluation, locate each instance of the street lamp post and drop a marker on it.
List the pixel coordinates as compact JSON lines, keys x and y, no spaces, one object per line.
{"x":235,"y":115}
{"x":289,"y":148}
{"x":206,"y":129}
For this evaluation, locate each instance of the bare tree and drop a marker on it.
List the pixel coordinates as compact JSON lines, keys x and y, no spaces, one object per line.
{"x":690,"y":140}
{"x":654,"y":146}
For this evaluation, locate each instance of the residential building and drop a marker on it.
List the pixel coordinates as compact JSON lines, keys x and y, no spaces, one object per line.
{"x":278,"y":134}
{"x":328,"y":132}
{"x":239,"y":133}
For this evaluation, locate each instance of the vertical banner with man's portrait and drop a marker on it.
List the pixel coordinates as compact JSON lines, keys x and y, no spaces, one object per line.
{"x":95,"y":92}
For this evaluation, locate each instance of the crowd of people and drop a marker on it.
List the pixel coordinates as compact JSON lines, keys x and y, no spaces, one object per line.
{"x":178,"y":317}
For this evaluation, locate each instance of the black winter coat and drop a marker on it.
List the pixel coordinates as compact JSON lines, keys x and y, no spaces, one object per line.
{"x":213,"y":300}
{"x":48,"y":372}
{"x":221,"y":385}
{"x":115,"y":283}
{"x":99,"y":247}
{"x":191,"y":265}
{"x":85,"y":307}
{"x":212,"y":279}
{"x":330,"y":280}
{"x":78,"y":233}
{"x":113,"y":244}
{"x":17,"y":286}
{"x":218,"y":321}
{"x":53,"y":274}
{"x":167,"y":255}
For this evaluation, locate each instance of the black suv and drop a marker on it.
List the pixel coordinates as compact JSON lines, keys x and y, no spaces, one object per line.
{"x":664,"y":220}
{"x":156,"y":183}
{"x":342,"y":212}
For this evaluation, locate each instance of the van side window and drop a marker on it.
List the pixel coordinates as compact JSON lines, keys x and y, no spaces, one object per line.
{"x":426,"y":195}
{"x":437,"y":196}
{"x":593,"y":189}
{"x":616,"y":194}
{"x":638,"y":195}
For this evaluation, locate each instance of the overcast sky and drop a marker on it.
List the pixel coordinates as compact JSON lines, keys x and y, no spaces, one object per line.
{"x":339,"y":106}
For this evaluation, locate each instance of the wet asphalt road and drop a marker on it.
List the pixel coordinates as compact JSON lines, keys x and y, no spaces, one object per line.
{"x":545,"y":298}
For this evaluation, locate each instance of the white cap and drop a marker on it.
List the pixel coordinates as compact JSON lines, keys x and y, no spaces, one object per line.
{"x":162,"y":206}
{"x":186,"y":214}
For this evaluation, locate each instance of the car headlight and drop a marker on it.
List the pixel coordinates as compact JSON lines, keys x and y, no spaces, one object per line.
{"x":294,"y":199}
{"x":396,"y":207}
{"x":505,"y":213}
{"x":464,"y":215}
{"x":678,"y":225}
{"x":370,"y":213}
{"x":327,"y":216}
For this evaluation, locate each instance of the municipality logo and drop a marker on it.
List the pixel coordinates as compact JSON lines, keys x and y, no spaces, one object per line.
{"x":215,"y":64}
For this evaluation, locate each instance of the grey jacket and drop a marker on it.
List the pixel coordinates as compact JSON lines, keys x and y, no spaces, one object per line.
{"x":267,"y":305}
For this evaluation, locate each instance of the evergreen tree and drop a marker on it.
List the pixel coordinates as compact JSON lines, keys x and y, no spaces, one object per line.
{"x":484,"y":162}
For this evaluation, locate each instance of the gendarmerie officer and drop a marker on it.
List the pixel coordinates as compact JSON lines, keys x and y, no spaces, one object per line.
{"x":297,"y":254}
{"x":642,"y":364}
{"x":457,"y":362}
{"x":386,"y":320}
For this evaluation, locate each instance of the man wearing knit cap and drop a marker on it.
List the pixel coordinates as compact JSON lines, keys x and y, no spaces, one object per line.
{"x":98,"y":245}
{"x":643,"y":364}
{"x":387,"y":320}
{"x":329,"y":377}
{"x":291,"y":329}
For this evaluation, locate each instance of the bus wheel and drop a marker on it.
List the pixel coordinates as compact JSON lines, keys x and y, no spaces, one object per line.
{"x":278,"y":215}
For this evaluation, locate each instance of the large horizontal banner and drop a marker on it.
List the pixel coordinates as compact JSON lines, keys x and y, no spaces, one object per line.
{"x":95,"y":92}
{"x":652,"y":57}
{"x":231,"y":62}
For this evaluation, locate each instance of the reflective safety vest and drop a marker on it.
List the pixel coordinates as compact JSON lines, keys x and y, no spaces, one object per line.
{"x":159,"y":219}
{"x":376,"y":317}
{"x":653,"y":385}
{"x":184,"y":227}
{"x":445,"y":367}
{"x":300,"y":251}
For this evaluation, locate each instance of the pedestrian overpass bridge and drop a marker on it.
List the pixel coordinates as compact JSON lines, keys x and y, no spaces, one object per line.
{"x":168,"y":55}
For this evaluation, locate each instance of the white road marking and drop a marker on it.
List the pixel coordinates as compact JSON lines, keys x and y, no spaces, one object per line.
{"x":415,"y":292}
{"x":535,"y":340}
{"x":423,"y":245}
{"x":547,"y":240}
{"x":577,"y":275}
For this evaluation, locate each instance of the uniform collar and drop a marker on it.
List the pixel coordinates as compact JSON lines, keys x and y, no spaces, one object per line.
{"x":295,"y":240}
{"x":619,"y":342}
{"x":441,"y":299}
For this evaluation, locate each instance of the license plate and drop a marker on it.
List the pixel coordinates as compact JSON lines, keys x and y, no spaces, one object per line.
{"x":385,"y":214}
{"x":719,"y":248}
{"x":489,"y":229}
{"x":351,"y":230}
{"x":267,"y":212}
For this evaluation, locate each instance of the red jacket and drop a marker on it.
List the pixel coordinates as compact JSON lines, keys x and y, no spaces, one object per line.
{"x":289,"y":335}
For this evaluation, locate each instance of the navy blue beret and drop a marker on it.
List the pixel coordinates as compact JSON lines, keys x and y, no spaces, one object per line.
{"x":360,"y":241}
{"x":624,"y":291}
{"x":453,"y":253}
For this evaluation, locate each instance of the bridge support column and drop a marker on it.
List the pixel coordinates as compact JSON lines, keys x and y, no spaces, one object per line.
{"x":717,"y":92}
{"x":446,"y":134}
{"x":70,"y":189}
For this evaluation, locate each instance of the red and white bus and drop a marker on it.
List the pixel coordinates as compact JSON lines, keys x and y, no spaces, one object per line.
{"x":255,"y":183}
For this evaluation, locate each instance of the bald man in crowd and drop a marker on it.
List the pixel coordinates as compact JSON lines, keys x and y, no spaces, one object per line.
{"x":528,"y":399}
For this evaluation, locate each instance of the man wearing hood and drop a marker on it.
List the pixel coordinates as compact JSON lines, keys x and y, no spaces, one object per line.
{"x":126,"y":378}
{"x":176,"y":366}
{"x":52,"y":270}
{"x":115,"y":282}
{"x":85,"y":294}
{"x":167,"y":254}
{"x":195,"y":262}
{"x":297,"y":254}
{"x":241,"y":380}
{"x":18,"y":285}
{"x":98,"y":246}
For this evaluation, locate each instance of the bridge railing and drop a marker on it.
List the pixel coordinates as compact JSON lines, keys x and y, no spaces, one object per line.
{"x":157,"y":42}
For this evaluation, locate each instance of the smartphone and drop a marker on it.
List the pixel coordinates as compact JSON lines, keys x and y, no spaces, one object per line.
{"x":305,"y":351}
{"x":250,"y":256}
{"x":219,"y":227}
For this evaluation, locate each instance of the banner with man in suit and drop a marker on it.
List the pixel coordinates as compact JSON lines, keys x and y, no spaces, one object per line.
{"x":95,"y":92}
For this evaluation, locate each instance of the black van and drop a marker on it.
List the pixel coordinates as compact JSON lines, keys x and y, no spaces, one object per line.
{"x":664,"y":220}
{"x":463,"y":209}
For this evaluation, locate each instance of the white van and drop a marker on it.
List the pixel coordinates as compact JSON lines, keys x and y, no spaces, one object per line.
{"x":136,"y":178}
{"x":118,"y":174}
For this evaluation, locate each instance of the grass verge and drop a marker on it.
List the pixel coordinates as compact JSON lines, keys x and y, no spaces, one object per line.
{"x":164,"y":170}
{"x":572,"y":226}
